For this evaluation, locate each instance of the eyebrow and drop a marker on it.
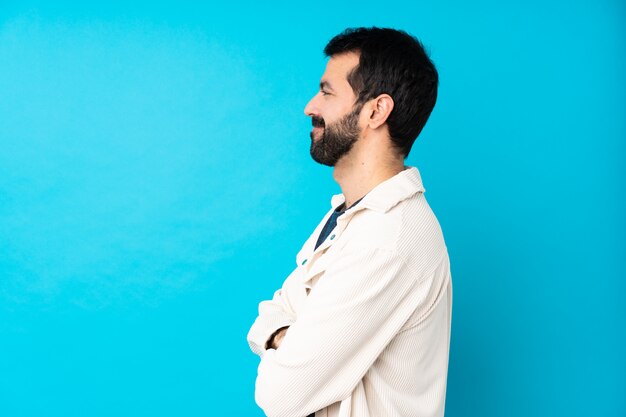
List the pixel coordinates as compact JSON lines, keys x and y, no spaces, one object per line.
{"x":326,"y":85}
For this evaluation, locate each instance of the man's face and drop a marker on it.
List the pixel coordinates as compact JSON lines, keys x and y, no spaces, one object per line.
{"x":334,"y":116}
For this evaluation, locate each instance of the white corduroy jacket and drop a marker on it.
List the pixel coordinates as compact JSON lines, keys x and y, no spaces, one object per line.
{"x":369,"y":314}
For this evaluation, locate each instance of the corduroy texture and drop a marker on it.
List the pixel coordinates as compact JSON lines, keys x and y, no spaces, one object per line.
{"x":369,"y":312}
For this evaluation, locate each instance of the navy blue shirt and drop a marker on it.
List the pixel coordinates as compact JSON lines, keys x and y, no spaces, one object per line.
{"x":332,"y":222}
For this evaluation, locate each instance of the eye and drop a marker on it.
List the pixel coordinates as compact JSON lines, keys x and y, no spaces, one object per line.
{"x":324,"y":93}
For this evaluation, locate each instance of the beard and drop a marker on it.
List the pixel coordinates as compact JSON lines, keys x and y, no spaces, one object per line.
{"x":337,"y":138}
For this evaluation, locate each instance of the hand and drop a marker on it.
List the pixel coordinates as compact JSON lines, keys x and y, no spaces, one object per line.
{"x":278,"y":338}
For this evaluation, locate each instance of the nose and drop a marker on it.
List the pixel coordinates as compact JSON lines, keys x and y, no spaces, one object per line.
{"x":311,"y":107}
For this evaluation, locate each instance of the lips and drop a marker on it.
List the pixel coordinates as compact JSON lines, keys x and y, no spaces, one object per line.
{"x":316,"y":133}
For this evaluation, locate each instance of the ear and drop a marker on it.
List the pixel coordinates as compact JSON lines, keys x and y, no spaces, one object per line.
{"x":381,"y":108}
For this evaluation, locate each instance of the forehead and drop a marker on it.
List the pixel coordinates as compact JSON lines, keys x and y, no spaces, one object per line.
{"x":338,"y":68}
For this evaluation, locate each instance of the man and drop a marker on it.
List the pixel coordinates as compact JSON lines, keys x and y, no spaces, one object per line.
{"x":361,"y":327}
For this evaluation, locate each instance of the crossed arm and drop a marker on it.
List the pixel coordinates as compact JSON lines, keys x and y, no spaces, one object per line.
{"x":349,"y":317}
{"x":274,"y":315}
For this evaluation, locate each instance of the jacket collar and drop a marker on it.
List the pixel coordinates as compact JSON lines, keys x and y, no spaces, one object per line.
{"x":388,"y":193}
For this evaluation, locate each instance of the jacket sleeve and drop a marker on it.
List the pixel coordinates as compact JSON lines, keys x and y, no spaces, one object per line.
{"x":273,"y":314}
{"x":353,"y":312}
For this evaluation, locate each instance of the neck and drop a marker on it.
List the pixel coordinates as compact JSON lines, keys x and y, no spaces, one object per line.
{"x":358,"y":176}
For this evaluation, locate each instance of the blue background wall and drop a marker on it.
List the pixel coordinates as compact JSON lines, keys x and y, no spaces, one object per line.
{"x":156,"y":184}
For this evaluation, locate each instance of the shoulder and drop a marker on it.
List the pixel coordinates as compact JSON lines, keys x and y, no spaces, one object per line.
{"x":409,"y":229}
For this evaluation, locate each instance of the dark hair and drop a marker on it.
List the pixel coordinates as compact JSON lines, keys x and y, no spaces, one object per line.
{"x":392,"y":62}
